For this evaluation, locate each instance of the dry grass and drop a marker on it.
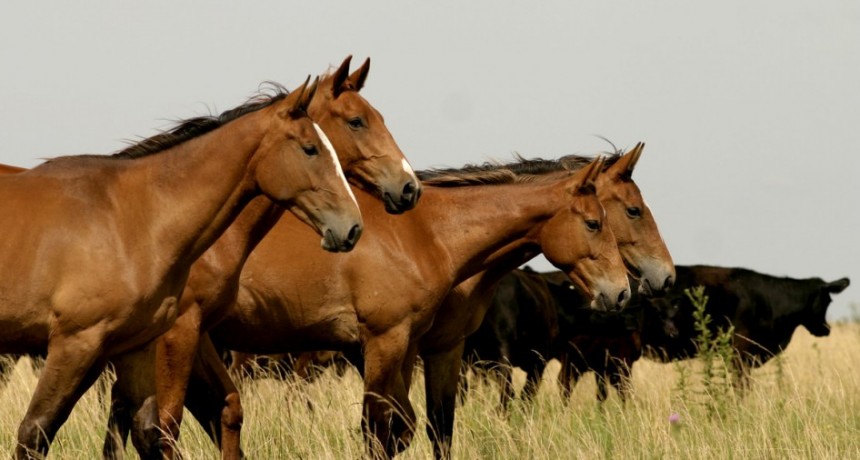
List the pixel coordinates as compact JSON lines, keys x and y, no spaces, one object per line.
{"x":807,"y":407}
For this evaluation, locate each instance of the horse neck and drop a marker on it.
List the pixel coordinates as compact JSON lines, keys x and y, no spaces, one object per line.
{"x":193,"y":191}
{"x":229,"y":252}
{"x":489,"y":227}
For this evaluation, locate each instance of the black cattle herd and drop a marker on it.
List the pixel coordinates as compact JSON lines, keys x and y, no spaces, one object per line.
{"x":536,"y":317}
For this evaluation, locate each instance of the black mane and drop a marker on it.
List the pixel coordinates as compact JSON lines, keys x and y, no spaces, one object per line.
{"x":198,"y":126}
{"x":518,"y":171}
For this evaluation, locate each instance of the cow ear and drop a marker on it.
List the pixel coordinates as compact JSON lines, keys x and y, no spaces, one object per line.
{"x":837,"y":286}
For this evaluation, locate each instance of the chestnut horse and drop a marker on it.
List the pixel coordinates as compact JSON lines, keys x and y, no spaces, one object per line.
{"x":98,"y":248}
{"x":462,"y":312}
{"x":384,"y":295}
{"x":370,"y":158}
{"x":642,"y":249}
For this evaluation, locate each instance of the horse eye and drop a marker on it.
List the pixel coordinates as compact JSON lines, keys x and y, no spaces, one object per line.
{"x":592,"y":225}
{"x":310,"y":150}
{"x":634,"y":213}
{"x":356,"y":123}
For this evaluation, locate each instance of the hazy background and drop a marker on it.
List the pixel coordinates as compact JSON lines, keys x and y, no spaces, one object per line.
{"x":750,"y":110}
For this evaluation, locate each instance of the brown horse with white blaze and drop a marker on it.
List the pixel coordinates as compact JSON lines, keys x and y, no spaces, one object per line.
{"x":102,"y":246}
{"x":384,"y":295}
{"x":371,"y":159}
{"x":463,"y":310}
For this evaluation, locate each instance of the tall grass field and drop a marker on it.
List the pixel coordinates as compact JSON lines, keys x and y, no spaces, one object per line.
{"x":805,"y":404}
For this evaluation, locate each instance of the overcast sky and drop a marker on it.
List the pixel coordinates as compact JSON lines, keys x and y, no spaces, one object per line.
{"x":750,"y":111}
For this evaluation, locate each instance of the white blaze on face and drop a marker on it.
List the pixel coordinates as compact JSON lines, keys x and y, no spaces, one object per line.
{"x":408,"y":169}
{"x":338,"y":169}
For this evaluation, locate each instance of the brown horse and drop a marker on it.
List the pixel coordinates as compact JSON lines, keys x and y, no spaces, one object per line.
{"x":384,"y":295}
{"x":371,"y":159}
{"x":462,"y":312}
{"x":98,"y":248}
{"x":8,"y":169}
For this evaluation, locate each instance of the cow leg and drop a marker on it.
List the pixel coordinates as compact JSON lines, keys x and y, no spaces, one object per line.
{"x":441,"y":376}
{"x":463,"y":386}
{"x":621,"y":380}
{"x":567,"y":376}
{"x":73,"y":364}
{"x":7,"y":366}
{"x":600,"y":379}
{"x":742,"y":368}
{"x":503,"y":374}
{"x":389,"y":420}
{"x":534,"y":372}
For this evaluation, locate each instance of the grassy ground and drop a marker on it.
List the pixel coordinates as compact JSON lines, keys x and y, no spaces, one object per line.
{"x":804,"y":405}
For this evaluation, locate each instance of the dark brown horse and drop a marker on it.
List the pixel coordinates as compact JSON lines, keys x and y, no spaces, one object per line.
{"x":97,"y":249}
{"x":461,"y":313}
{"x":385,"y":295}
{"x":371,"y":159}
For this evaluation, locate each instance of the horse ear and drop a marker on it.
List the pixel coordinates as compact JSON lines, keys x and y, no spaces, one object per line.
{"x":308,"y":95}
{"x":295,"y":101}
{"x":586,"y":177}
{"x":340,"y":76}
{"x":623,"y":168}
{"x":358,"y":77}
{"x":837,"y":286}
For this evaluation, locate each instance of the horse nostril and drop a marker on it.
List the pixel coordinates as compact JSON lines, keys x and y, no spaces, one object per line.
{"x":353,"y":234}
{"x":409,"y":188}
{"x":668,"y":283}
{"x":622,"y":297}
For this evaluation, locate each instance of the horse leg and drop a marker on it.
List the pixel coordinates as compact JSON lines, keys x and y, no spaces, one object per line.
{"x":73,"y":364}
{"x":175,"y":352}
{"x":134,"y":400}
{"x":242,"y":365}
{"x":119,"y":425}
{"x":389,"y":420}
{"x":441,"y":376}
{"x":214,"y":400}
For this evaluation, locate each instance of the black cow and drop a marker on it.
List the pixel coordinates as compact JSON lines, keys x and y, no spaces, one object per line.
{"x":535,"y":317}
{"x":607,"y":343}
{"x":764,"y":310}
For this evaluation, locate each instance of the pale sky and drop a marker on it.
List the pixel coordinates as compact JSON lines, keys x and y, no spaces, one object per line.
{"x":750,"y":111}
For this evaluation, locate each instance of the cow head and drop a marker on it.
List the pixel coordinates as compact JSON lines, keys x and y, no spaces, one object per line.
{"x":815,"y":319}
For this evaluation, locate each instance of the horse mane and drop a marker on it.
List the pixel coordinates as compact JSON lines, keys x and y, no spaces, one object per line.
{"x":185,"y":130}
{"x":521,"y":170}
